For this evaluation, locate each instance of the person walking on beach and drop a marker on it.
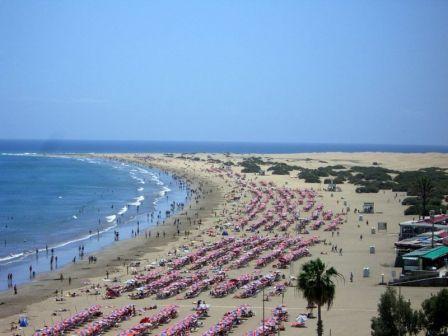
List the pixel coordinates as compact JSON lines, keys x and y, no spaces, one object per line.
{"x":9,"y":280}
{"x":351,"y":276}
{"x":15,"y":289}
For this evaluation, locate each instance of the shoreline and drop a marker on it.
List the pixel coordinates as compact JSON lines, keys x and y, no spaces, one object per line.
{"x":226,"y":196}
{"x":109,"y":258}
{"x":101,"y":236}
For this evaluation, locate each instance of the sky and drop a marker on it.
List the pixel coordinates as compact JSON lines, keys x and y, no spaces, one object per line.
{"x":372,"y":72}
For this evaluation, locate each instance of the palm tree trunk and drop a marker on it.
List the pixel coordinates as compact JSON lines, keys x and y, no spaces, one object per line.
{"x":424,"y":201}
{"x":320,"y":327}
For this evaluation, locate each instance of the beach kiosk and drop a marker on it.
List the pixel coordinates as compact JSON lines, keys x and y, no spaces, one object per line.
{"x":368,"y":207}
{"x":331,"y":186}
{"x":382,"y":226}
{"x":427,"y":258}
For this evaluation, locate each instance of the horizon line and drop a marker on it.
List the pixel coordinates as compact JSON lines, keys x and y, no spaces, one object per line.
{"x":226,"y":142}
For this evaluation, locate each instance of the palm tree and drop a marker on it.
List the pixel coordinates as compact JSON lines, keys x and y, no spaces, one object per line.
{"x":317,"y":286}
{"x":425,"y":188}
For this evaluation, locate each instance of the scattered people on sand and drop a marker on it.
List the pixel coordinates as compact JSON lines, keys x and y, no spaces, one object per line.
{"x":182,"y":261}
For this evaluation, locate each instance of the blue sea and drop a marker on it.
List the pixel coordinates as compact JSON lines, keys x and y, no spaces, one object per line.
{"x":84,"y":146}
{"x":63,"y":202}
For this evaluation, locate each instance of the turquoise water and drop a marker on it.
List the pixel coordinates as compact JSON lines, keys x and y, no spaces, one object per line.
{"x":62,"y":203}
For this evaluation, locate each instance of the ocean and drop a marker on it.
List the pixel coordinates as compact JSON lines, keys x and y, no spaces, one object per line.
{"x":63,"y":202}
{"x":84,"y":146}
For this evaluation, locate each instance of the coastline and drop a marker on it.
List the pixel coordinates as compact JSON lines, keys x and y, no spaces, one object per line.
{"x":133,"y":215}
{"x":110,"y":257}
{"x":206,"y":173}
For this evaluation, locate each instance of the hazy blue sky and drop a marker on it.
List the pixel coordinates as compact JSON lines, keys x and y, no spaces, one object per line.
{"x":297,"y":71}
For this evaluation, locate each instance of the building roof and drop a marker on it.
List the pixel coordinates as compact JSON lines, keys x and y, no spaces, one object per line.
{"x":428,"y":253}
{"x":438,"y":219}
{"x":424,"y":224}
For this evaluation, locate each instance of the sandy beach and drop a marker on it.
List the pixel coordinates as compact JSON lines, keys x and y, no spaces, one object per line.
{"x":221,"y":197}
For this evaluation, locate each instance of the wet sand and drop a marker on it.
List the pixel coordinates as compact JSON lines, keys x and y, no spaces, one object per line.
{"x":112,"y":258}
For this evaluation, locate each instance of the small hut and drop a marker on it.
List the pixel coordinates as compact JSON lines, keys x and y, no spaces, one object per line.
{"x":331,"y":186}
{"x":368,"y":207}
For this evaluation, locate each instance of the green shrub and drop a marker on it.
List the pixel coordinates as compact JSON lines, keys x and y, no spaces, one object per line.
{"x":309,"y":175}
{"x":410,"y":201}
{"x":369,"y":188}
{"x":339,"y":180}
{"x":396,"y":316}
{"x":435,"y":314}
{"x":280,"y":168}
{"x":250,"y":167}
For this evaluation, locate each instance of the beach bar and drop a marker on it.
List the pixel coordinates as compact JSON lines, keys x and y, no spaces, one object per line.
{"x":413,"y":228}
{"x":426,"y":258}
{"x":426,"y":239}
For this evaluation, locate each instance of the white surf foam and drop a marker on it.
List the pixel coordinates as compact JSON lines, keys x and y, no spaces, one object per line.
{"x":164,"y":191}
{"x":111,"y":218}
{"x":123,"y":210}
{"x":137,"y":201}
{"x":12,"y":256}
{"x":20,"y":154}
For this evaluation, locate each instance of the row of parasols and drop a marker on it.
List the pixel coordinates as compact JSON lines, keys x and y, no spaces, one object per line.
{"x":95,"y":327}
